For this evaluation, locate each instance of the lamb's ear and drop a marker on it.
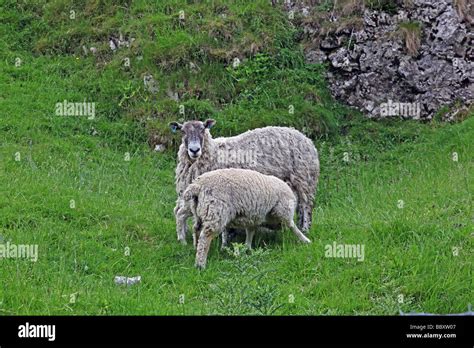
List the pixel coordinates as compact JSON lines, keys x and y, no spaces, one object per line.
{"x":175,"y":126}
{"x":209,"y":123}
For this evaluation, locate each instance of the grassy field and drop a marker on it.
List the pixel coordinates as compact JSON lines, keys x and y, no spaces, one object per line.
{"x":99,"y":202}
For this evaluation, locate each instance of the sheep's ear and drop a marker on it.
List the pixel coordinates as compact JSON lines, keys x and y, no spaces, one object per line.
{"x":175,"y":126}
{"x":209,"y":123}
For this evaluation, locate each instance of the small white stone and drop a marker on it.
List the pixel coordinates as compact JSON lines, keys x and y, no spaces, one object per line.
{"x":122,"y":280}
{"x":159,"y":148}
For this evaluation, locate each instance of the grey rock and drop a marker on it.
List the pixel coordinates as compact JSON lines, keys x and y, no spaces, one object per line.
{"x":378,"y":68}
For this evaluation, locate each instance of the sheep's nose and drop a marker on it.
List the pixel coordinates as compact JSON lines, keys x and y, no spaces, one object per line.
{"x":194,"y":150}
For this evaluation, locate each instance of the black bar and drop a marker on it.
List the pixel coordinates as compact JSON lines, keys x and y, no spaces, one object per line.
{"x":260,"y":330}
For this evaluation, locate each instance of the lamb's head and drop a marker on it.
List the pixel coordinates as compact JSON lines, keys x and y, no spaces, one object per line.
{"x":194,"y":134}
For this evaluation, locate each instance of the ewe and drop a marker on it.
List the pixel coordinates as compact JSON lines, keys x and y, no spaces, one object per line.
{"x":279,"y":151}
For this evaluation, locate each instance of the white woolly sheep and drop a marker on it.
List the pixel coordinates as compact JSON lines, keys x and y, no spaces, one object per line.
{"x":279,"y":151}
{"x":239,"y":198}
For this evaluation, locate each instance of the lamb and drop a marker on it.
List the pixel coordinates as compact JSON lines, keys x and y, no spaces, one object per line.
{"x":240,"y":198}
{"x":279,"y":151}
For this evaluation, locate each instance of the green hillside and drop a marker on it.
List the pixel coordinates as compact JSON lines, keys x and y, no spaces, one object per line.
{"x":98,"y":201}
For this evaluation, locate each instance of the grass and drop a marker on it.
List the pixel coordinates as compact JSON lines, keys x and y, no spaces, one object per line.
{"x":411,"y":32}
{"x":122,"y":205}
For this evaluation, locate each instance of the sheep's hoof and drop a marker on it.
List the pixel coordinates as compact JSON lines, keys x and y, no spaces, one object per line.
{"x":182,"y":241}
{"x":200,"y":267}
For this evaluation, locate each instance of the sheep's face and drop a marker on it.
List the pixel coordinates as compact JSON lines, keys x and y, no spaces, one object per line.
{"x":193,"y":135}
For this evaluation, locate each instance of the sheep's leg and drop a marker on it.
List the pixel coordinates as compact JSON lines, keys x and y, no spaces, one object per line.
{"x":225,"y":239}
{"x":300,"y":215}
{"x":309,"y":217}
{"x":203,"y":247}
{"x":300,"y":207}
{"x":196,"y":232}
{"x":195,"y":239}
{"x":250,"y":232}
{"x":286,"y":213}
{"x":298,"y":233}
{"x":305,"y":211}
{"x":182,"y":214}
{"x":228,"y":235}
{"x":306,"y":217}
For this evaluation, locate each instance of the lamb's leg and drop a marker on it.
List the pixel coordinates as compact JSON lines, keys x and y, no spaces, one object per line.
{"x":203,"y":247}
{"x":299,"y":234}
{"x":286,"y":213}
{"x":250,"y":232}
